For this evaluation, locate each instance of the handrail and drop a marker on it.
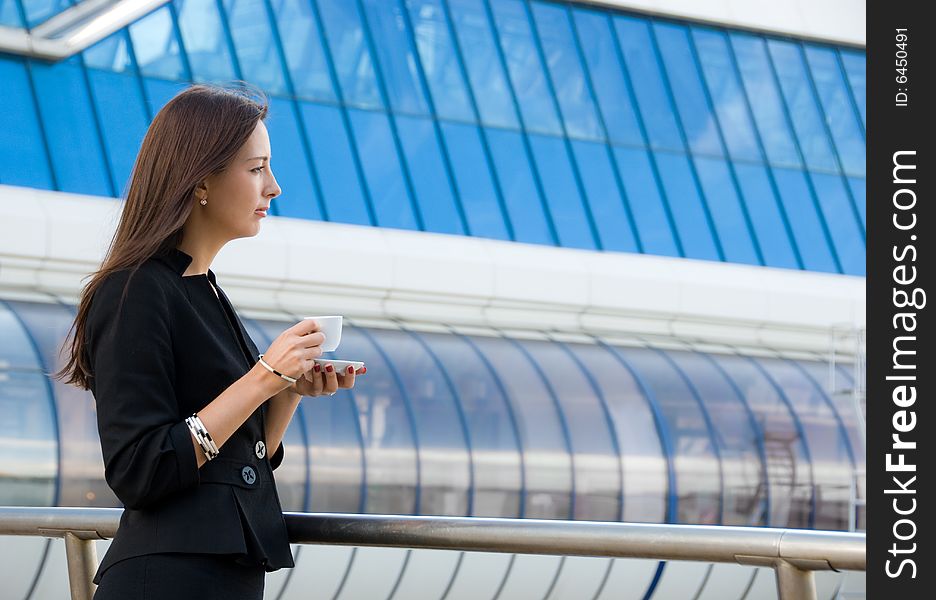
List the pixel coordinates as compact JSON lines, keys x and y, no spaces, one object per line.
{"x":794,"y":554}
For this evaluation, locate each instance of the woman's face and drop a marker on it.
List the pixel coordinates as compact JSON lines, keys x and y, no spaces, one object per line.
{"x":237,"y":193}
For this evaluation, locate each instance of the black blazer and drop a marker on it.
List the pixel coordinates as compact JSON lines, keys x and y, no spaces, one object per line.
{"x":169,"y":351}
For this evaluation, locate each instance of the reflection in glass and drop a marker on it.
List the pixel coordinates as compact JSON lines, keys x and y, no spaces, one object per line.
{"x":305,"y":53}
{"x":491,"y":423}
{"x":156,"y":47}
{"x":526,"y":71}
{"x":439,"y":58}
{"x":745,"y":494}
{"x":563,"y":62}
{"x":546,"y":454}
{"x":597,"y":461}
{"x":28,"y":438}
{"x":789,"y":469}
{"x":385,"y":423}
{"x":444,"y":462}
{"x":828,"y":445}
{"x":695,"y":458}
{"x":252,"y":35}
{"x":81,"y":471}
{"x":204,"y":39}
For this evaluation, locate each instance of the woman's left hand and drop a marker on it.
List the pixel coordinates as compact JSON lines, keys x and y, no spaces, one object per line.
{"x":324,"y":382}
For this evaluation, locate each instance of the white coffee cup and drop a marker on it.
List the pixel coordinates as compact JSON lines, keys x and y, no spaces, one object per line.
{"x":331,"y":327}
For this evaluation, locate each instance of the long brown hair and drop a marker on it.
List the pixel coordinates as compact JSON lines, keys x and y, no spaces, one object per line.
{"x":195,"y":135}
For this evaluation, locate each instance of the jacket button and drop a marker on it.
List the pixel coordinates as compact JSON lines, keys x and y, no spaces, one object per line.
{"x":249,"y":475}
{"x":260,"y":449}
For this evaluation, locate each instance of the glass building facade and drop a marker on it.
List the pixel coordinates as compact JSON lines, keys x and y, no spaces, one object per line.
{"x":468,"y":425}
{"x":532,"y":121}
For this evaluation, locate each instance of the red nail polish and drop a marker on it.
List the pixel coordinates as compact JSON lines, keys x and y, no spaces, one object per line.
{"x":350,"y":369}
{"x":329,"y":368}
{"x":363,"y":370}
{"x":318,"y":368}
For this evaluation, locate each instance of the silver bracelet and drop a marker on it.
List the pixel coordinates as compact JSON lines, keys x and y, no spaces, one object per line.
{"x":274,"y":371}
{"x":202,"y":436}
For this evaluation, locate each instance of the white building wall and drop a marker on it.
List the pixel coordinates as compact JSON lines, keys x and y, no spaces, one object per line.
{"x":837,"y":21}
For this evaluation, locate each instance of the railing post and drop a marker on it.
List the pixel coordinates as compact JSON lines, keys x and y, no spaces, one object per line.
{"x":82,"y":564}
{"x":794,"y":583}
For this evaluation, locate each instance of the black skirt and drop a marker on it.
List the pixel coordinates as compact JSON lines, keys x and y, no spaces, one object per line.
{"x":181,"y":577}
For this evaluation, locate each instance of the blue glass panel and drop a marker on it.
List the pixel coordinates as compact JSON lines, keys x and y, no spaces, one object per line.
{"x":20,"y":135}
{"x":596,"y":40}
{"x":304,"y":50}
{"x":156,"y":46}
{"x":350,"y":53}
{"x":690,"y":216}
{"x":838,"y":389}
{"x":299,"y":197}
{"x":726,"y":93}
{"x":333,"y":157}
{"x":444,"y":465}
{"x":38,"y":11}
{"x":641,"y":62}
{"x":807,"y":229}
{"x":382,"y":170}
{"x":549,"y":464}
{"x":524,"y":66}
{"x":28,"y":440}
{"x":647,"y":205}
{"x":765,"y":99}
{"x":80,"y":482}
{"x":767,"y":219}
{"x":563,"y":60}
{"x":562,"y":194}
{"x":738,"y":437}
{"x":439,"y":58}
{"x":69,"y":123}
{"x":695,"y":461}
{"x":838,"y":108}
{"x":482,"y":62}
{"x":159,"y":92}
{"x":205,"y":40}
{"x":386,"y":20}
{"x":854,"y":63}
{"x":473,"y":179}
{"x":643,"y":462}
{"x":802,"y":104}
{"x":843,"y":225}
{"x":495,"y":447}
{"x":696,"y":115}
{"x":517,"y":184}
{"x":597,"y":462}
{"x":607,"y":205}
{"x":859,"y":195}
{"x":16,"y":349}
{"x":437,"y":203}
{"x":789,"y":470}
{"x":385,"y":421}
{"x":828,"y":446}
{"x":252,"y":33}
{"x":9,"y":14}
{"x":119,"y":101}
{"x":732,"y":227}
{"x":110,"y":54}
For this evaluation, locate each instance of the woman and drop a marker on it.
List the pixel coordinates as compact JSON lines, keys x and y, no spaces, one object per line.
{"x":190,"y":417}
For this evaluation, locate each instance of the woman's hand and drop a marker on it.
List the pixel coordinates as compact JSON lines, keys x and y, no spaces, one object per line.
{"x":325,"y":381}
{"x":293,"y":353}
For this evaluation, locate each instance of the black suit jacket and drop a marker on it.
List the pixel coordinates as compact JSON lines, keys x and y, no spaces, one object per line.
{"x":169,"y":351}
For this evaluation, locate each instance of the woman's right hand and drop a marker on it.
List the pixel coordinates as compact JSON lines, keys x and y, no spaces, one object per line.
{"x":293,"y":353}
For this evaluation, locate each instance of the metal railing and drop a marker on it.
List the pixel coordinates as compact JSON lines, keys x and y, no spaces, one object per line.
{"x":794,"y":554}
